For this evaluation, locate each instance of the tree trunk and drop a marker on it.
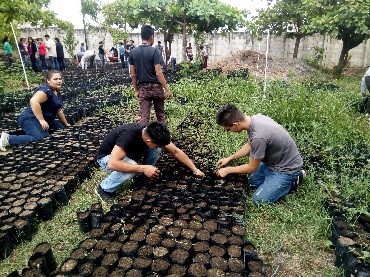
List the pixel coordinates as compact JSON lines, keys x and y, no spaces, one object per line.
{"x":85,"y":32}
{"x":296,"y":47}
{"x":342,"y":58}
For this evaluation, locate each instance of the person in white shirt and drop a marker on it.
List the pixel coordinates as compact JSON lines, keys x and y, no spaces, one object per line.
{"x":86,"y":58}
{"x":204,"y":54}
{"x":52,"y":52}
{"x":365,"y":87}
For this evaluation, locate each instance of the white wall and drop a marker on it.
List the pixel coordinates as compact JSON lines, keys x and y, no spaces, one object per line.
{"x":222,"y":46}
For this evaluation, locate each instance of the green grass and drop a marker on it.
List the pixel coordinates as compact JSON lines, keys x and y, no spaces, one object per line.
{"x":291,"y":234}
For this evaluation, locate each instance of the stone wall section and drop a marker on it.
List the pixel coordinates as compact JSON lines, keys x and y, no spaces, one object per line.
{"x":222,"y":46}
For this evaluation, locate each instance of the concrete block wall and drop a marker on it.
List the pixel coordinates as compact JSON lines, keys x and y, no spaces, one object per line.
{"x":222,"y":46}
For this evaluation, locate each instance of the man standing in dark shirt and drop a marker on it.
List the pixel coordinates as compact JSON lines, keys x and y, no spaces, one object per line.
{"x":135,"y":148}
{"x":147,"y":77}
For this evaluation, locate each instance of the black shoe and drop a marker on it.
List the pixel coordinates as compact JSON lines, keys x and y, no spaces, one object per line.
{"x":105,"y":197}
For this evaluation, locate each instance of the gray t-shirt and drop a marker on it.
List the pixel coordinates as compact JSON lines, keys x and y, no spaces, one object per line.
{"x":272,"y":144}
{"x":144,"y":58}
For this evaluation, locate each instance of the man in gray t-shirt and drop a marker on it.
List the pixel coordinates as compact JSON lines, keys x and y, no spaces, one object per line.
{"x":274,"y":159}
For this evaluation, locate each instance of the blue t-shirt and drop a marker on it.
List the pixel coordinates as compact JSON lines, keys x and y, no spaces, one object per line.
{"x":50,"y":107}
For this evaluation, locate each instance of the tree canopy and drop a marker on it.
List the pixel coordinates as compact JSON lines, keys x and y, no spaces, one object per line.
{"x":286,"y":16}
{"x":347,"y":20}
{"x":174,"y":16}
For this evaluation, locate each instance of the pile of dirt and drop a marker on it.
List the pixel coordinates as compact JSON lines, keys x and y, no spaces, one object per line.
{"x":255,"y":62}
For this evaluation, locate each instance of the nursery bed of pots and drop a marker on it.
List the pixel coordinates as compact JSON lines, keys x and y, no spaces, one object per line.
{"x":78,"y":84}
{"x":351,"y":241}
{"x":177,"y":225}
{"x":37,"y":178}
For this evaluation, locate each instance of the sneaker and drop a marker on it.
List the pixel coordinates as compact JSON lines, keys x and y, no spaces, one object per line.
{"x":4,"y":141}
{"x":301,"y":177}
{"x":104,"y":196}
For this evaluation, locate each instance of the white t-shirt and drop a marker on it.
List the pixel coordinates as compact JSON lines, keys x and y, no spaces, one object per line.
{"x":52,"y":49}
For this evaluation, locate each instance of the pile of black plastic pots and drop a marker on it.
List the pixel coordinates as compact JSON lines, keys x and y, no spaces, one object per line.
{"x":39,"y":177}
{"x":351,"y":242}
{"x":177,"y":225}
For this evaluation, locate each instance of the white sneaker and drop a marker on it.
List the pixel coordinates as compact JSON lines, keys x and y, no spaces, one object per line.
{"x":4,"y":141}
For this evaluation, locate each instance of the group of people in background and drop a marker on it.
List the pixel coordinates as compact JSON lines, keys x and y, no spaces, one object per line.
{"x":36,"y":52}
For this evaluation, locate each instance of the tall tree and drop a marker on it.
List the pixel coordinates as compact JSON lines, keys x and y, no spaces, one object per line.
{"x":347,"y":20}
{"x":173,"y":16}
{"x":33,"y":12}
{"x":286,"y":16}
{"x":89,"y":8}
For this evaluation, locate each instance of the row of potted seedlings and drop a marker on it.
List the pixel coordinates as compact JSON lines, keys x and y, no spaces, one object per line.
{"x":351,"y":241}
{"x":39,"y":177}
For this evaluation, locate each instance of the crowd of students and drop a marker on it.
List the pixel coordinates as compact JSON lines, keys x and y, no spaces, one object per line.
{"x":39,"y":54}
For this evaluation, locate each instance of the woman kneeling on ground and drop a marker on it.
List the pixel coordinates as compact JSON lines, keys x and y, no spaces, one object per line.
{"x":41,"y":113}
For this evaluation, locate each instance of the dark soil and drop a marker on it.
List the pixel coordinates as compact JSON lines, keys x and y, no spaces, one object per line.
{"x":114,"y":247}
{"x":180,"y":256}
{"x":219,"y":239}
{"x":197,"y":270}
{"x":219,"y":263}
{"x":169,"y":243}
{"x":142,"y":264}
{"x":173,"y":232}
{"x":188,"y":234}
{"x":201,"y":246}
{"x":215,"y":272}
{"x":160,"y":266}
{"x":160,"y":252}
{"x":101,"y":244}
{"x":125,"y":263}
{"x":153,"y":239}
{"x":145,"y":251}
{"x":181,"y":224}
{"x":100,"y":272}
{"x":86,"y":269}
{"x":238,"y":230}
{"x":210,"y":225}
{"x":177,"y":270}
{"x":203,"y":235}
{"x":110,"y":260}
{"x":195,"y":225}
{"x":88,"y":244}
{"x":184,"y":244}
{"x":202,"y":258}
{"x":138,"y":236}
{"x":254,"y":266}
{"x":79,"y":254}
{"x":235,"y":240}
{"x":234,"y":251}
{"x":216,"y":251}
{"x":134,"y":273}
{"x":236,"y":265}
{"x":130,"y":248}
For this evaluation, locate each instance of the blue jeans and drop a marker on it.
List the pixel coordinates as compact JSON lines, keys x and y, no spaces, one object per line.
{"x":116,"y":178}
{"x":102,"y":59}
{"x":52,"y":63}
{"x":271,"y":185}
{"x":44,"y":66}
{"x":32,"y":127}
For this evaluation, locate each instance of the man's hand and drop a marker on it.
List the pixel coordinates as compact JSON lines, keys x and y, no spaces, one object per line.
{"x":223,"y":172}
{"x":199,"y":173}
{"x":68,"y":125}
{"x":44,"y":124}
{"x":222,"y":162}
{"x":151,"y":171}
{"x":167,"y":94}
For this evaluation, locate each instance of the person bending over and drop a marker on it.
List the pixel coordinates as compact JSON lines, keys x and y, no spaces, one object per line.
{"x":134,"y":148}
{"x":41,"y":113}
{"x":274,"y":160}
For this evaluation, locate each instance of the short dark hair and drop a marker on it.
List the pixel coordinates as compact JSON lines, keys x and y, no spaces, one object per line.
{"x":6,"y":38}
{"x":159,"y":42}
{"x":159,"y":133}
{"x":47,"y":36}
{"x":57,"y":39}
{"x":229,"y":114}
{"x":146,"y":32}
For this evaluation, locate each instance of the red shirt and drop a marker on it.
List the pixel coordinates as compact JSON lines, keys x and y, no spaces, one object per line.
{"x":42,"y":49}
